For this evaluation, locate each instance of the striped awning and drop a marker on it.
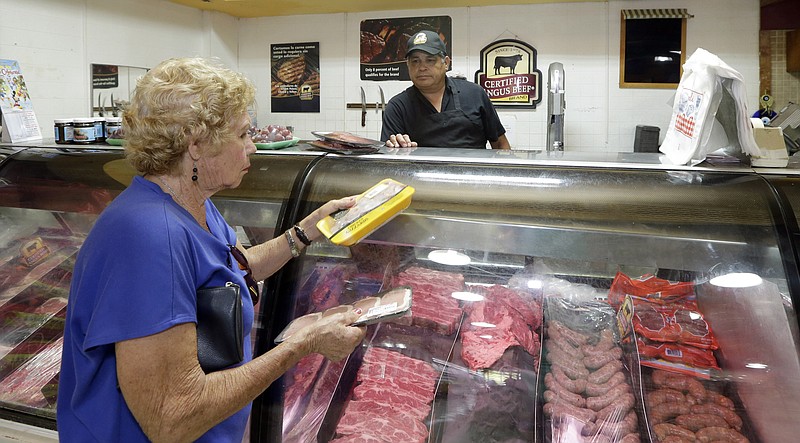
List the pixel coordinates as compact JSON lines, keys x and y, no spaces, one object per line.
{"x":631,"y":14}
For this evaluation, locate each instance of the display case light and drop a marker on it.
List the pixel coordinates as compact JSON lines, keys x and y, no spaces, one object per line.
{"x":483,"y":324}
{"x":756,"y":366}
{"x":449,"y":257}
{"x":467,"y":296}
{"x":736,"y":280}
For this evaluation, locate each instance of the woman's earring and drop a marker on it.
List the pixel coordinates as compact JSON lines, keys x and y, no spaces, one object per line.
{"x":194,"y":170}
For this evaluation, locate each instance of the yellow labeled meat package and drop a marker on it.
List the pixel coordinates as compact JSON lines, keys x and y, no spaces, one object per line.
{"x":376,"y":206}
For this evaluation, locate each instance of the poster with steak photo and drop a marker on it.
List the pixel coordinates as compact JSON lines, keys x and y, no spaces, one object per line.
{"x":384,"y":44}
{"x":295,"y":77}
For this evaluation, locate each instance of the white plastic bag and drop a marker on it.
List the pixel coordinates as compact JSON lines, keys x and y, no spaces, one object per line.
{"x":709,"y":112}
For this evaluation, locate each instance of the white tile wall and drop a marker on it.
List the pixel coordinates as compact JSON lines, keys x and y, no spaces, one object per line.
{"x":785,"y":85}
{"x":584,"y":36}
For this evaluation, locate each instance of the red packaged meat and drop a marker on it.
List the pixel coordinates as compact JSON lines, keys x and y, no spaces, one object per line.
{"x":676,"y":322}
{"x":677,"y":353}
{"x":649,"y":287}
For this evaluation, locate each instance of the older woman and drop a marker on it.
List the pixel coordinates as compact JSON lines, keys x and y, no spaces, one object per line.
{"x":130,"y":370}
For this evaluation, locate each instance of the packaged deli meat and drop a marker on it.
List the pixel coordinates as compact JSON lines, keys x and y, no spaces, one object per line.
{"x":649,"y":287}
{"x":374,"y":207}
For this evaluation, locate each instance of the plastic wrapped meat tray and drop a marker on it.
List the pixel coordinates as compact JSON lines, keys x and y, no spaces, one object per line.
{"x":383,"y":306}
{"x":589,"y":394}
{"x":383,"y":395}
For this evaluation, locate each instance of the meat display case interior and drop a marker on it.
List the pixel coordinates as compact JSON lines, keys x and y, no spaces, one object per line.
{"x":555,"y":251}
{"x":487,"y":339}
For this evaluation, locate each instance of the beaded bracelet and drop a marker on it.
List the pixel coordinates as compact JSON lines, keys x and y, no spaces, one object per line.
{"x":301,"y":234}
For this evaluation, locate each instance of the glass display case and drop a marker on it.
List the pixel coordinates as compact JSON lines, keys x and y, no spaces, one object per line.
{"x":554,"y":299}
{"x":49,"y":199}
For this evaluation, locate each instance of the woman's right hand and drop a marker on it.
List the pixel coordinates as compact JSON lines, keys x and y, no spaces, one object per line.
{"x":332,"y":336}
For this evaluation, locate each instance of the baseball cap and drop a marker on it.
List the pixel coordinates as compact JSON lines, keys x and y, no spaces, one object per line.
{"x":427,"y":41}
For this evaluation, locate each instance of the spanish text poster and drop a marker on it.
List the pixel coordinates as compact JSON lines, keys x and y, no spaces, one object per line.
{"x":384,"y":43}
{"x":295,"y":77}
{"x":105,"y":76}
{"x":18,"y":119}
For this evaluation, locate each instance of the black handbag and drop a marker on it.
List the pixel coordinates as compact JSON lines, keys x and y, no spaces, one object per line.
{"x":220,"y":333}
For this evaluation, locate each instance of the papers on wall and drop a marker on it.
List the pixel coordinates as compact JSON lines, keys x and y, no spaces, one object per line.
{"x":18,"y":119}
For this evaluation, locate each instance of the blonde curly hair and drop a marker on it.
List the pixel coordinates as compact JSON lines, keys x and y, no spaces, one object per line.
{"x":179,"y":101}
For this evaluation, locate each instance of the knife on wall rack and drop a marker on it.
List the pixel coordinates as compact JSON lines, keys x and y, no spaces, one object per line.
{"x":363,"y":108}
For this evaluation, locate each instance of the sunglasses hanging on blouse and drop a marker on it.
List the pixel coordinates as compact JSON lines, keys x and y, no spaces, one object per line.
{"x":248,"y":276}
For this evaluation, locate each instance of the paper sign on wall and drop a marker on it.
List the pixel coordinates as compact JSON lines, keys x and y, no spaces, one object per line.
{"x":18,"y":119}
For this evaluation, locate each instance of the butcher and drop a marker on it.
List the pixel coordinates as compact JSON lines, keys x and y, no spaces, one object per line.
{"x":437,"y":110}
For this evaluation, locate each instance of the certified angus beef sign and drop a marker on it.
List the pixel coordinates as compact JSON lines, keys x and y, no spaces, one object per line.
{"x":508,"y":74}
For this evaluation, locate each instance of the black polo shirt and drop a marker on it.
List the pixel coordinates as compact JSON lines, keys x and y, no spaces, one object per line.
{"x":404,"y":108}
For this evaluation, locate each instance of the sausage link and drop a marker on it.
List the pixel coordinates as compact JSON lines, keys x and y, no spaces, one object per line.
{"x":720,"y":434}
{"x":680,"y":382}
{"x":558,"y":329}
{"x":719,"y":399}
{"x":594,"y":390}
{"x":633,"y":437}
{"x":557,"y":410}
{"x":562,"y":345}
{"x":729,"y":415}
{"x":598,"y":403}
{"x":664,"y":430}
{"x":577,"y":386}
{"x":596,"y":361}
{"x":696,"y":422}
{"x":605,"y":343}
{"x":556,"y":391}
{"x":573,"y":369}
{"x":618,"y":409}
{"x":664,"y":412}
{"x":613,"y":430}
{"x":664,"y":395}
{"x":603,"y":374}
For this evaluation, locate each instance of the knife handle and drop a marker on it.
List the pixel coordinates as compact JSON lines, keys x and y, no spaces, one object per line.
{"x":363,"y":118}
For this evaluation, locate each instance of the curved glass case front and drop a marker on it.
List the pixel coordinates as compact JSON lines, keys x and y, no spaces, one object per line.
{"x":538,"y":249}
{"x":49,"y":200}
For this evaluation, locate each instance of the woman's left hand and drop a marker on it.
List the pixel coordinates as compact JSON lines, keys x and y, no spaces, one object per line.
{"x":309,"y":224}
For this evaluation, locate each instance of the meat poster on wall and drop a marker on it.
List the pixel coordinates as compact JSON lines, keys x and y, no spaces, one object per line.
{"x":384,"y":44}
{"x":508,"y":74}
{"x":295,"y":77}
{"x":105,"y":76}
